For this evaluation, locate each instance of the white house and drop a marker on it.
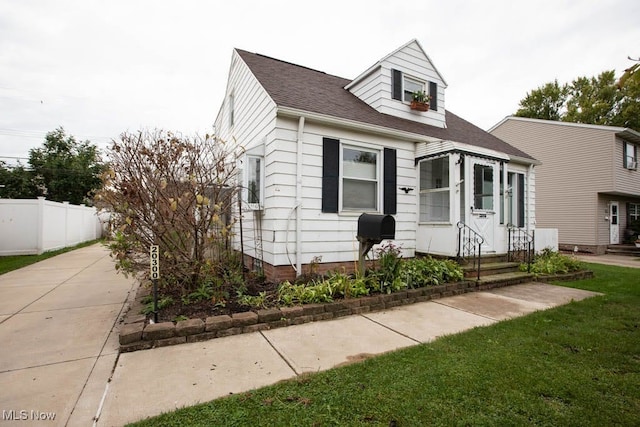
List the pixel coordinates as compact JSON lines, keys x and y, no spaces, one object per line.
{"x":321,"y":150}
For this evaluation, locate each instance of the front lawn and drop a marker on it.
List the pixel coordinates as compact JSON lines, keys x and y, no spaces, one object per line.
{"x":577,"y":364}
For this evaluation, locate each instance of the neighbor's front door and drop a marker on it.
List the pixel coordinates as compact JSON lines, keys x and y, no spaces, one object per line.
{"x":485,"y":180}
{"x":614,"y":227}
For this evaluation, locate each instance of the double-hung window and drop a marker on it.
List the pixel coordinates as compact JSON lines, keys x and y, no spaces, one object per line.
{"x":630,"y":156}
{"x":410,"y":86}
{"x":360,"y":178}
{"x":434,"y":190}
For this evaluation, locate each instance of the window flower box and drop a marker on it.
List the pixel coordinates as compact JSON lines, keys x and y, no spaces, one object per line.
{"x":419,"y":106}
{"x":420,"y":101}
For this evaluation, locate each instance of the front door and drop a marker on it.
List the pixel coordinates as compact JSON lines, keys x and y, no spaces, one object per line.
{"x":484,"y":183}
{"x":614,"y":228}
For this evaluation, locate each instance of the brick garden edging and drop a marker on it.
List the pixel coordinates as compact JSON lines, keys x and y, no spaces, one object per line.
{"x":137,"y":334}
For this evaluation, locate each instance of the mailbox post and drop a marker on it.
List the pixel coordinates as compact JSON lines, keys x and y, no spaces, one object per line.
{"x":373,"y":229}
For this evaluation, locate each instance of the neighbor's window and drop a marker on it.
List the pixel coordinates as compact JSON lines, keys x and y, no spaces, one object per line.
{"x":634,"y":211}
{"x":434,"y":190}
{"x":254,"y":179}
{"x":630,"y":156}
{"x":360,"y":178}
{"x":231,"y":110}
{"x":411,"y":85}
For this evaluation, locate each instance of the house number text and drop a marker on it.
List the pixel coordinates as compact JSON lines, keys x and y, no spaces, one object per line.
{"x":155,"y":262}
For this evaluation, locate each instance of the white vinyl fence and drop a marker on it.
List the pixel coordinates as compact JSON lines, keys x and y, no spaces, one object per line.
{"x":35,"y":226}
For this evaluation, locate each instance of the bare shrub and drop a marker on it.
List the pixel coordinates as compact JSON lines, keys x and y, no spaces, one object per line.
{"x":176,"y":192}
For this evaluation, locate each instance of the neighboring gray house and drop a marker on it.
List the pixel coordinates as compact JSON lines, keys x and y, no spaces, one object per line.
{"x":588,"y":186}
{"x":321,"y":150}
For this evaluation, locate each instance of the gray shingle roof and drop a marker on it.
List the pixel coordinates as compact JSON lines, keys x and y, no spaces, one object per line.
{"x":302,"y":88}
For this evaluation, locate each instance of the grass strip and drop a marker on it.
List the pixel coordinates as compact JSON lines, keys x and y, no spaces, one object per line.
{"x":577,"y":364}
{"x":14,"y":262}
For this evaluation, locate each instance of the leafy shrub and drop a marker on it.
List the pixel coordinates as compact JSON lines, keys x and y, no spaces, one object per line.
{"x":253,"y":301}
{"x":389,"y":260}
{"x":551,"y":262}
{"x":420,"y":272}
{"x":163,"y":302}
{"x":176,"y":192}
{"x":311,"y":293}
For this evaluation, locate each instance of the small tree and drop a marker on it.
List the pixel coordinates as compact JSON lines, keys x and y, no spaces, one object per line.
{"x":176,"y":192}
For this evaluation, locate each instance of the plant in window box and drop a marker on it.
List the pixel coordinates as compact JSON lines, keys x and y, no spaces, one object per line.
{"x":420,"y":101}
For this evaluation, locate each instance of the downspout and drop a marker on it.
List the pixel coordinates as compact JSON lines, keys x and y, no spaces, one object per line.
{"x":299,"y":196}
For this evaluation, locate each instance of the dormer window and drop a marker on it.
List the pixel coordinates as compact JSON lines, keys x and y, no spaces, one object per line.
{"x":410,"y":86}
{"x":403,"y":87}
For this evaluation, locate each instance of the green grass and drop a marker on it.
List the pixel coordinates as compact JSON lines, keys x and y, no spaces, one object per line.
{"x":14,"y":262}
{"x":577,"y":364}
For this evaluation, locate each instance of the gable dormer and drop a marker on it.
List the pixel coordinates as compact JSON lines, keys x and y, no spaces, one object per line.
{"x":389,"y":84}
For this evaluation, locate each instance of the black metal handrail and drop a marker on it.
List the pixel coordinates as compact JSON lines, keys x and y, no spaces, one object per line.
{"x":521,"y":246}
{"x":469,"y":245}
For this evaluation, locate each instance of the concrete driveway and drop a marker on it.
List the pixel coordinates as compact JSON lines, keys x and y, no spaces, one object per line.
{"x":59,"y":345}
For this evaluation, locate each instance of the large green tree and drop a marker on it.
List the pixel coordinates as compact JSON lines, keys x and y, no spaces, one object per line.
{"x":597,"y":100}
{"x":546,"y":102}
{"x":68,"y":170}
{"x":16,"y":182}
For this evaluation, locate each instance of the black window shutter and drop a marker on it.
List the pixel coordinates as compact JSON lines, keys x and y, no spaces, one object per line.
{"x":330,"y":174}
{"x":390,"y":173}
{"x":521,"y":207}
{"x":624,"y":154}
{"x":396,"y":84}
{"x":433,"y":91}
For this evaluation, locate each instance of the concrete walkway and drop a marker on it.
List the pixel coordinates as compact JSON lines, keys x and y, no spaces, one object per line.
{"x":610,"y":259}
{"x":58,"y":328}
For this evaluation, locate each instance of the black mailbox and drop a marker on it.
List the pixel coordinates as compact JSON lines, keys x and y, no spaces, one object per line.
{"x":376,"y":228}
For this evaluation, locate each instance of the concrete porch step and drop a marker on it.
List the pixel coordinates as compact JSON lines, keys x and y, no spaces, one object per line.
{"x":491,"y":268}
{"x":504,"y":279}
{"x":628,"y":250}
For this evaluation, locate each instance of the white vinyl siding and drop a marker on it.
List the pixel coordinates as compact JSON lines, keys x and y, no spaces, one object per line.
{"x":327,"y":235}
{"x":375,"y":88}
{"x":254,"y":118}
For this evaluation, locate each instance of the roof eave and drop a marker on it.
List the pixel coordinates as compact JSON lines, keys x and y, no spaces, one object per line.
{"x":354,"y":124}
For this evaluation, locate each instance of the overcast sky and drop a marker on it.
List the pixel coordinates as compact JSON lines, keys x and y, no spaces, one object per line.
{"x":98,"y":68}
